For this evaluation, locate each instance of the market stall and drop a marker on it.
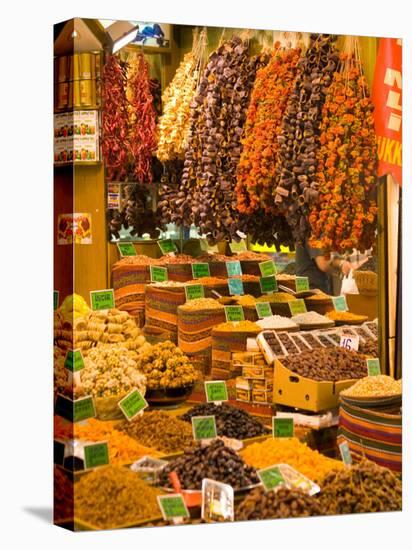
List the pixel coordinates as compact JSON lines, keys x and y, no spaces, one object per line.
{"x":198,"y":365}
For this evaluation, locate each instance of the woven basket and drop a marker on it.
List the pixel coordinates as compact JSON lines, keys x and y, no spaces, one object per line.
{"x":224,"y":343}
{"x":253,"y":288}
{"x":161,"y":307}
{"x":179,"y":272}
{"x":320,"y":306}
{"x":129,"y":283}
{"x":250,"y":267}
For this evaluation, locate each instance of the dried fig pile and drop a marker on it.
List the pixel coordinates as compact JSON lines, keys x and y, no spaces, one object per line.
{"x":345,"y":215}
{"x":297,"y":186}
{"x":218,"y":114}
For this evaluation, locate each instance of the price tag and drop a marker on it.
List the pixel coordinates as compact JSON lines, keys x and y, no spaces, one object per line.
{"x":297,"y":306}
{"x":59,"y":448}
{"x":235,"y":286}
{"x":302,"y":284}
{"x":200,"y":270}
{"x":233,"y":268}
{"x":74,"y":360}
{"x":345,"y":453}
{"x":102,"y":299}
{"x":95,"y":455}
{"x":267,"y":268}
{"x":75,"y":411}
{"x":263,"y":309}
{"x":234,"y":313}
{"x":271,"y":477}
{"x":373,"y":366}
{"x":56,"y":295}
{"x":349,"y":342}
{"x":132,"y":404}
{"x":339,"y":303}
{"x":283,"y":427}
{"x":126,"y":249}
{"x":194,"y":291}
{"x":268,"y":285}
{"x":167,"y":246}
{"x":204,"y":427}
{"x":158,"y":274}
{"x":172,"y":507}
{"x":236,"y":248}
{"x":216,"y":390}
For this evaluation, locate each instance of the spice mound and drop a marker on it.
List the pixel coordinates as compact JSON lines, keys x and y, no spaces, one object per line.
{"x":276,"y":298}
{"x":365,"y":487}
{"x":208,"y":281}
{"x":215,"y":461}
{"x":237,"y":326}
{"x":277,"y":322}
{"x":284,"y":503}
{"x":374,"y":386}
{"x":311,"y":318}
{"x":291,"y":451}
{"x":160,"y":431}
{"x":327,"y":364}
{"x":201,"y":303}
{"x":113,"y":496}
{"x":230,"y":421}
{"x":110,"y":370}
{"x":166,"y":366}
{"x":345,"y":316}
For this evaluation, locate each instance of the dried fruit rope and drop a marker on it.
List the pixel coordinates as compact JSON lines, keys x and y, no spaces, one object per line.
{"x":115,"y":125}
{"x":345,"y":215}
{"x":299,"y":139}
{"x":142,"y":119}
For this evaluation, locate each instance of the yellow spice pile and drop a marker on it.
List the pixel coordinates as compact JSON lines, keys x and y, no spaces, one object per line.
{"x":374,"y":386}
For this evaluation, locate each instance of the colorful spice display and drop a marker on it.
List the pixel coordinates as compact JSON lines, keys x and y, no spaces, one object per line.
{"x":113,"y":496}
{"x":238,"y":326}
{"x":291,"y":451}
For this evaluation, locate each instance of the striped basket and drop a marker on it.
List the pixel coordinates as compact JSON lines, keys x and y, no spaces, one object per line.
{"x":253,"y":288}
{"x":224,"y":343}
{"x":251,"y":267}
{"x":372,"y":433}
{"x":129,"y":282}
{"x":218,"y":269}
{"x":195,"y":334}
{"x":161,"y":307}
{"x":179,"y":272}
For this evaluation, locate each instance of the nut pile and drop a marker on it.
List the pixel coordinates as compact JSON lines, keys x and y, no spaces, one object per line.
{"x":327,"y":364}
{"x":283,"y":503}
{"x":365,"y":487}
{"x":215,"y":461}
{"x":276,"y":298}
{"x":230,"y":421}
{"x":113,"y":496}
{"x":160,"y":431}
{"x":201,"y":303}
{"x":374,"y":386}
{"x":165,"y":366}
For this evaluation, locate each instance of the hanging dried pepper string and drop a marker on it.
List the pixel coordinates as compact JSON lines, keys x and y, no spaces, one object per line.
{"x":345,"y":215}
{"x":115,"y":124}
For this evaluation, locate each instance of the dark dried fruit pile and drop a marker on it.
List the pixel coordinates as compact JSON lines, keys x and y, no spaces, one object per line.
{"x":283,"y":503}
{"x":215,"y":461}
{"x":365,"y":487}
{"x":218,"y":113}
{"x":230,"y":421}
{"x":297,"y":186}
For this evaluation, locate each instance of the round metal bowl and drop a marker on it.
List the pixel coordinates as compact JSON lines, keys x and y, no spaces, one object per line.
{"x":169,"y":396}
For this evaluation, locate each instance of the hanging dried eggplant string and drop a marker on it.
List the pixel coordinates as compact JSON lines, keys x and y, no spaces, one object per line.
{"x":297,"y":187}
{"x":115,"y":123}
{"x":345,"y":215}
{"x":217,"y":119}
{"x":142,"y":119}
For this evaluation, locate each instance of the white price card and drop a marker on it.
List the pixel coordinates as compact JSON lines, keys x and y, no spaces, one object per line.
{"x":350,"y":342}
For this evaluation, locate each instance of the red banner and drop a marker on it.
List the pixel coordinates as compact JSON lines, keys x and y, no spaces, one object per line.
{"x":387,"y":98}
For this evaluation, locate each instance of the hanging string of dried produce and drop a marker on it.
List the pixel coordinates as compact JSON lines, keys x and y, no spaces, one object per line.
{"x":115,"y":119}
{"x":170,"y":193}
{"x":217,"y":119}
{"x":345,"y":215}
{"x":142,"y":119}
{"x":297,"y":186}
{"x":175,"y":121}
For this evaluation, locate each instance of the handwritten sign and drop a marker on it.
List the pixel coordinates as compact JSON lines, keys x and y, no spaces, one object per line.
{"x":234,"y":313}
{"x":96,"y":454}
{"x":194,"y":291}
{"x":238,"y":247}
{"x":267,"y":268}
{"x":349,"y":342}
{"x":271,"y":477}
{"x":302,"y":284}
{"x":345,"y":453}
{"x":172,"y":507}
{"x":75,"y":411}
{"x":167,"y":246}
{"x":235,"y":286}
{"x":216,"y":390}
{"x":158,"y":274}
{"x":263,"y":309}
{"x":200,"y":270}
{"x":297,"y":306}
{"x":74,"y":360}
{"x":126,"y":249}
{"x":233,"y":268}
{"x":268,"y":285}
{"x":339,"y":303}
{"x":56,"y":295}
{"x":373,"y":366}
{"x":204,"y":427}
{"x":102,"y":299}
{"x":132,"y":404}
{"x":283,"y":427}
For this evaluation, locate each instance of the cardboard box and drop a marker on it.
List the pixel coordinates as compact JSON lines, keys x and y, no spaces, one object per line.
{"x":265,"y":385}
{"x":294,"y":390}
{"x":363,"y":305}
{"x":262,"y":396}
{"x":243,"y":395}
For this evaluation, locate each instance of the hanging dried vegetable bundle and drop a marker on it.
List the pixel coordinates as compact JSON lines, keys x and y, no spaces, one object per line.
{"x":115,"y":120}
{"x":175,"y":122}
{"x":170,"y":193}
{"x":142,"y":119}
{"x":345,"y":215}
{"x":217,"y":120}
{"x":256,"y":173}
{"x":297,"y":187}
